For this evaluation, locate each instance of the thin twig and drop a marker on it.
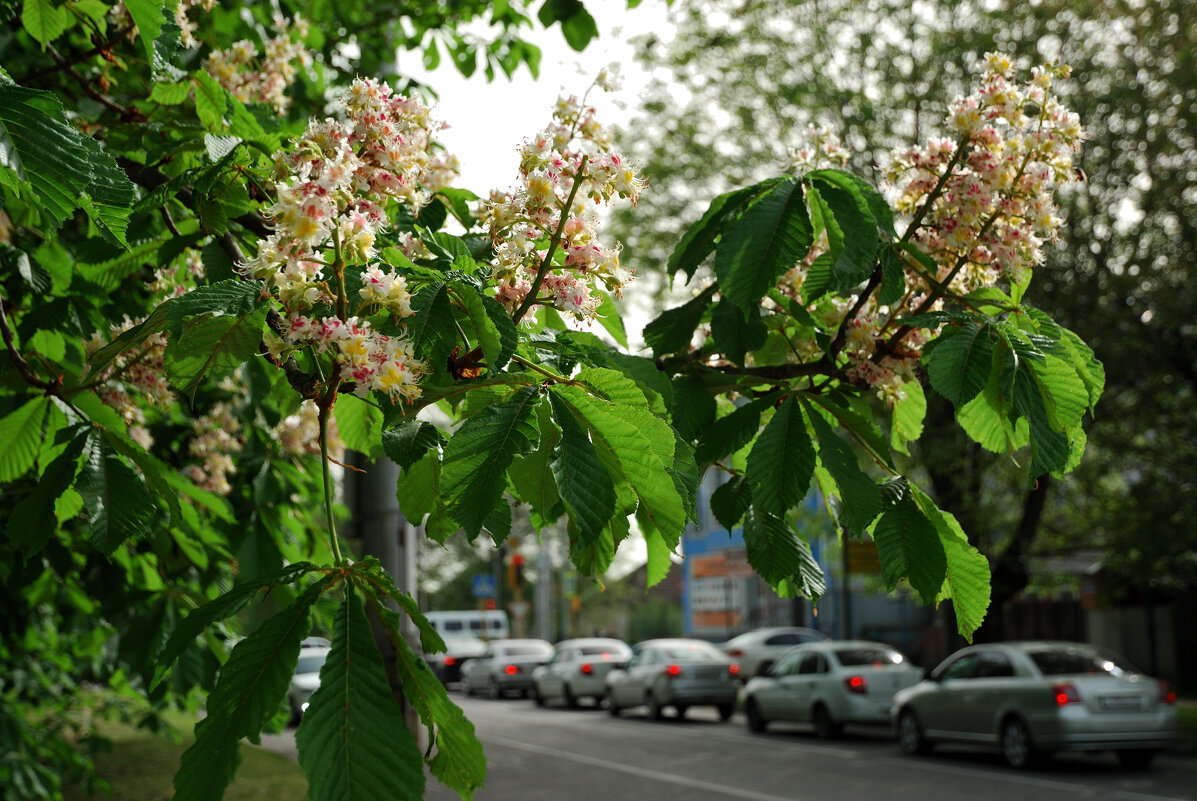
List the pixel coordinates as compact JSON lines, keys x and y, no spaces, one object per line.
{"x":50,"y":387}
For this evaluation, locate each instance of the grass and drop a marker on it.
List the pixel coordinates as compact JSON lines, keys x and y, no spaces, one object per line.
{"x":141,"y":766}
{"x":1186,"y":722}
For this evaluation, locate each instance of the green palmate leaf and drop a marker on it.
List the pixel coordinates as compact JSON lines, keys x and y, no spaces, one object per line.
{"x":226,"y":298}
{"x":909,"y":546}
{"x":730,"y":433}
{"x":210,"y":101}
{"x":477,"y":458}
{"x":458,"y":202}
{"x":860,"y":495}
{"x":650,"y":379}
{"x":478,"y":324}
{"x":498,"y":521}
{"x":987,"y":421}
{"x":672,"y":330}
{"x":730,"y":501}
{"x":851,"y":228}
{"x":958,"y":361}
{"x":624,"y":438}
{"x":430,"y":328}
{"x":33,"y":521}
{"x":509,"y":338}
{"x":610,"y":319}
{"x":1050,"y":451}
{"x":170,"y":94}
{"x":737,"y":333}
{"x":629,"y":398}
{"x":693,"y":407}
{"x":407,"y":443}
{"x":699,"y":240}
{"x":686,"y":476}
{"x":118,"y":506}
{"x":531,"y":477}
{"x":148,"y":14}
{"x":227,"y":605}
{"x":583,"y":483}
{"x":211,"y":345}
{"x":353,"y":742}
{"x":966,"y":582}
{"x":1063,"y":390}
{"x":21,"y":433}
{"x":1091,"y":371}
{"x":781,"y":461}
{"x":66,"y":169}
{"x":248,"y":693}
{"x":819,"y":278}
{"x":360,"y":425}
{"x":864,"y":198}
{"x":108,"y":275}
{"x":457,"y":759}
{"x":421,"y":499}
{"x":769,"y":238}
{"x":908,"y":414}
{"x":44,"y":21}
{"x":659,"y":552}
{"x":893,"y":278}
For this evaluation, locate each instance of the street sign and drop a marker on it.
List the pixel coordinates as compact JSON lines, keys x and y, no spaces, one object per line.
{"x":483,"y":585}
{"x":519,"y":609}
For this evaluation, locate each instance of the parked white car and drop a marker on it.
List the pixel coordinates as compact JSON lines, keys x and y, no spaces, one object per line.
{"x":505,"y":666}
{"x":829,"y":684}
{"x":312,"y":653}
{"x":754,"y":651}
{"x":578,"y":670}
{"x":680,"y":673}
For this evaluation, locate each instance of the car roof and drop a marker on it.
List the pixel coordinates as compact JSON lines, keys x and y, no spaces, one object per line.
{"x":835,"y":645}
{"x":579,"y":641}
{"x":768,"y":631}
{"x":530,"y":641}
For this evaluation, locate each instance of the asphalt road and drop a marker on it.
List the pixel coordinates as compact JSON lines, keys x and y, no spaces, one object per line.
{"x":555,"y":754}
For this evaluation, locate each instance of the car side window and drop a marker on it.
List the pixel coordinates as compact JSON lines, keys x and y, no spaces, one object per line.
{"x":782,"y":639}
{"x":993,"y":664}
{"x":786,"y":665}
{"x":820,"y":663}
{"x":962,"y":668}
{"x":808,"y":665}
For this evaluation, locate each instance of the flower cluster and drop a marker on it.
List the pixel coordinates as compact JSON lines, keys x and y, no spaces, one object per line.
{"x":822,"y":148}
{"x":298,"y":434}
{"x":991,"y":188}
{"x":216,"y":439}
{"x":251,"y":79}
{"x":331,"y":191}
{"x":137,"y":377}
{"x":537,"y":231}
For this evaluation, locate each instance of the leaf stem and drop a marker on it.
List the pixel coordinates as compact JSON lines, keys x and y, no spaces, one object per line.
{"x":325,"y":405}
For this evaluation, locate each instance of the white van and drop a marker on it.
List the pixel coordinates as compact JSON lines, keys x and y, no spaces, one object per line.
{"x":488,"y":624}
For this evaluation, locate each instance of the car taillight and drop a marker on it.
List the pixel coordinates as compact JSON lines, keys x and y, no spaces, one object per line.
{"x":733,"y":669}
{"x":586,"y":668}
{"x":450,"y":660}
{"x":856,"y":684}
{"x":1066,"y":694}
{"x":673,"y":670}
{"x":736,"y":652}
{"x":511,"y":670}
{"x":1167,"y":694}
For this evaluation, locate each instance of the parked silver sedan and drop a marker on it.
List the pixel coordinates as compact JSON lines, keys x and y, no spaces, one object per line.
{"x":674,"y":672}
{"x":505,"y":666}
{"x":1033,"y":698}
{"x":578,"y":670}
{"x":829,"y":684}
{"x":756,"y":650}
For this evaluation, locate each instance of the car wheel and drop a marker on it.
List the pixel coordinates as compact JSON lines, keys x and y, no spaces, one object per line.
{"x":612,"y":707}
{"x":466,"y":687}
{"x":493,"y":690}
{"x":1136,"y":758}
{"x":910,"y":734}
{"x":536,"y":696}
{"x":681,"y":710}
{"x":568,"y":696}
{"x":296,"y":716}
{"x":825,"y":727}
{"x":725,"y":712}
{"x":655,"y":710}
{"x":1017,"y":747}
{"x":756,"y":721}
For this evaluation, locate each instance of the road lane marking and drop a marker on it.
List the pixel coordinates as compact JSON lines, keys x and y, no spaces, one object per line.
{"x":670,"y":778}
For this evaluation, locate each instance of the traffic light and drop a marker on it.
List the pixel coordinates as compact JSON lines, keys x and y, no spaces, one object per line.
{"x":490,"y":604}
{"x":517,"y":564}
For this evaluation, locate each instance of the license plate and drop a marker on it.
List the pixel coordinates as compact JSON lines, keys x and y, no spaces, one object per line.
{"x":1120,"y":702}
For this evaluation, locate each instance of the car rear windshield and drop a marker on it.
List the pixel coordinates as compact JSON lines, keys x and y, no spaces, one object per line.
{"x":595,"y":650}
{"x":696,"y":653}
{"x":309,"y":664}
{"x":880,"y":657}
{"x":1070,"y":661}
{"x":525,"y":650}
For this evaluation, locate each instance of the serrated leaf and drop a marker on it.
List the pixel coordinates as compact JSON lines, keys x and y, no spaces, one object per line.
{"x":407,"y":443}
{"x":737,"y":333}
{"x":699,"y":240}
{"x":1091,"y":371}
{"x":44,"y":21}
{"x":457,"y":759}
{"x":109,"y":274}
{"x":531,"y":476}
{"x":249,"y":691}
{"x":21,"y":433}
{"x":907,"y":417}
{"x":228,"y":298}
{"x":33,"y":521}
{"x":852,"y":228}
{"x":210,"y":101}
{"x":732,"y":431}
{"x":860,"y":495}
{"x":119,"y":507}
{"x":782,"y":461}
{"x":909,"y":546}
{"x":987,"y":421}
{"x":777,"y":553}
{"x":353,"y":742}
{"x":967,"y":578}
{"x":610,"y":319}
{"x":430,"y":328}
{"x":67,"y":169}
{"x":659,"y":555}
{"x":478,"y":324}
{"x":218,"y":609}
{"x":583,"y":483}
{"x":420,"y":498}
{"x":730,"y":501}
{"x":477,"y":458}
{"x":629,"y":399}
{"x":958,"y":361}
{"x":213,"y":346}
{"x":149,"y":16}
{"x":360,"y":425}
{"x":769,"y":238}
{"x":170,"y":94}
{"x":693,"y":407}
{"x":220,"y":146}
{"x":672,"y":330}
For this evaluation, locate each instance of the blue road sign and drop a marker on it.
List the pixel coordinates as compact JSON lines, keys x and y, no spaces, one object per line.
{"x":483,"y":585}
